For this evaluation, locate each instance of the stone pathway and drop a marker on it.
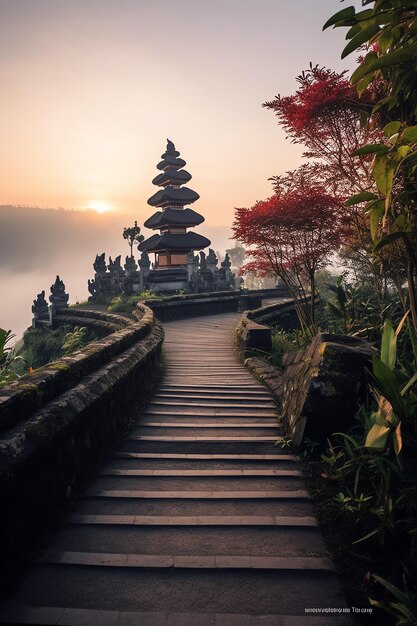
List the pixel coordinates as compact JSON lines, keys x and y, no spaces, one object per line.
{"x":198,"y":520}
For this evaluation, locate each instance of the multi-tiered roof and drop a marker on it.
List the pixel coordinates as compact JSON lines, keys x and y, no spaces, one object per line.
{"x":173,"y":242}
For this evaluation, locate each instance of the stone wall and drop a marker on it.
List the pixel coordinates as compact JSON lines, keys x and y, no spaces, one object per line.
{"x":191,"y":305}
{"x":61,"y":419}
{"x":252,"y":337}
{"x":253,"y":332}
{"x":323,"y":385}
{"x":281,"y":315}
{"x":101,"y":323}
{"x":320,"y":387}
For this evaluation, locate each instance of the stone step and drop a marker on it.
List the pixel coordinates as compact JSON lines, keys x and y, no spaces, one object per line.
{"x":289,"y":480}
{"x":286,"y":507}
{"x":42,"y":615}
{"x":210,"y":419}
{"x":193,"y":446}
{"x":214,"y":397}
{"x":221,"y":385}
{"x":162,"y":561}
{"x":232,"y":390}
{"x":218,"y":403}
{"x":198,"y":520}
{"x":197,"y":495}
{"x":204,"y":432}
{"x":137,"y":460}
{"x":197,"y":464}
{"x":192,"y":411}
{"x":179,"y":439}
{"x":170,"y":473}
{"x":211,"y":457}
{"x":223,"y":540}
{"x":184,"y":367}
{"x":207,"y":424}
{"x":203,"y":379}
{"x":197,"y":590}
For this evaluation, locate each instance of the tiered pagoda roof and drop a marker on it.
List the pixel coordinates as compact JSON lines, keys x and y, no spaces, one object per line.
{"x":173,"y":219}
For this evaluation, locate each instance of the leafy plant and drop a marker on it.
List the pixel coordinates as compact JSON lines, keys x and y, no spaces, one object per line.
{"x":396,"y":401}
{"x":404,"y":609}
{"x":76,"y":339}
{"x":126,"y":304}
{"x":7,"y":358}
{"x":388,"y":29}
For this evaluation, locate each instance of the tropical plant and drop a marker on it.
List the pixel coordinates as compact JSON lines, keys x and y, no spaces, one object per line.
{"x":76,"y":339}
{"x":126,"y":303}
{"x":132,"y":235}
{"x":388,"y":29}
{"x":404,"y":609}
{"x":397,"y":402}
{"x":389,"y":32}
{"x":7,"y":359}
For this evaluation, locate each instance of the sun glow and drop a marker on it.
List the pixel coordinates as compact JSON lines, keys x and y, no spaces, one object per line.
{"x":100,"y":206}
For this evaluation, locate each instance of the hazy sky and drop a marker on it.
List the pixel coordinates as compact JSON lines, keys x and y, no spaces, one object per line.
{"x":91,"y":89}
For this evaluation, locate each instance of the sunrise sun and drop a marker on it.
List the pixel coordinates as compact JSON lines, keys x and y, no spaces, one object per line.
{"x":100,"y":206}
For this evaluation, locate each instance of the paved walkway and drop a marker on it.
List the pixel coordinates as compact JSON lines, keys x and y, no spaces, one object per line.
{"x":198,"y":520}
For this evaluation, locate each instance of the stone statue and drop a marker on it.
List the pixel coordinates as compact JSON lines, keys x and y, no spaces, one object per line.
{"x":40,"y":306}
{"x":130,"y":265}
{"x":144,"y":262}
{"x":227,"y":264}
{"x":99,"y":264}
{"x":212,"y":259}
{"x":92,"y":286}
{"x":115,"y":266}
{"x":203,"y":262}
{"x":58,"y":297}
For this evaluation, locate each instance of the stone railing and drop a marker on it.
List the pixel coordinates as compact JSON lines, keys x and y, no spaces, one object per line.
{"x":101,"y":323}
{"x":190,"y":305}
{"x":58,"y":420}
{"x":254,"y":331}
{"x":319,"y":387}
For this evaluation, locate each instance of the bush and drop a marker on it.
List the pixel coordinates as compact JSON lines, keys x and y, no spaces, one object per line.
{"x":126,"y":304}
{"x":40,"y":346}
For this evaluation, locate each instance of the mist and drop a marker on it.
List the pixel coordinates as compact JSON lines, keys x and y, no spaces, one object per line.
{"x":37,"y":244}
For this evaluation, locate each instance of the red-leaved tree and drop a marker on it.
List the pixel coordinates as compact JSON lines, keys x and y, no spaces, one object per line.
{"x":324,"y":115}
{"x":327,"y":117}
{"x":291,"y":235}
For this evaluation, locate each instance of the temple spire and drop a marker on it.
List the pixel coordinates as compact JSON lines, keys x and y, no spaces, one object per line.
{"x":173,"y":243}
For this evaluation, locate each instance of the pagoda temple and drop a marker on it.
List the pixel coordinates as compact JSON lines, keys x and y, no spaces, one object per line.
{"x":176,"y":267}
{"x":174,"y":243}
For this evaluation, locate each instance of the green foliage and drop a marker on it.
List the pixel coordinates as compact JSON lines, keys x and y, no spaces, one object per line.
{"x":5,"y":337}
{"x":76,"y":339}
{"x":41,"y":346}
{"x":373,"y":467}
{"x":132,"y":235}
{"x":354,"y":308}
{"x":8,"y":360}
{"x":405,"y":607}
{"x":282,"y":342}
{"x":389,"y":30}
{"x":397,"y":402}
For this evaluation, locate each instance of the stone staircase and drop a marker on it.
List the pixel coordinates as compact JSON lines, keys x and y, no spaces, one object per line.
{"x":197,"y":520}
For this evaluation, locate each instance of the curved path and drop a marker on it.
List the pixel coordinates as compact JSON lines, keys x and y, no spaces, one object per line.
{"x":198,"y":520}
